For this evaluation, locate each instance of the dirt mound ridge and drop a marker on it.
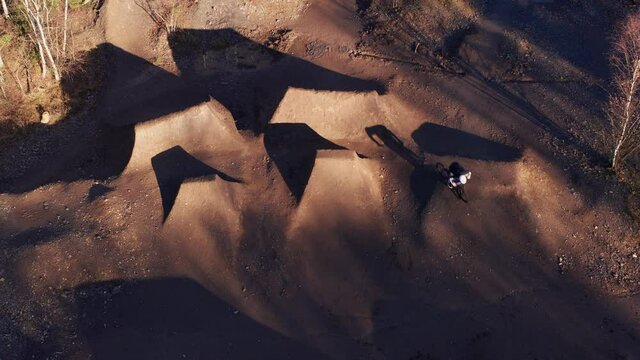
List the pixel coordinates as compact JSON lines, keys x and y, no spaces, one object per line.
{"x":342,"y":186}
{"x":343,"y":117}
{"x":201,"y":129}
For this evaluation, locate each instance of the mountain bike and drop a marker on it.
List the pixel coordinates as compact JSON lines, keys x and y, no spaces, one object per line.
{"x":445,"y":174}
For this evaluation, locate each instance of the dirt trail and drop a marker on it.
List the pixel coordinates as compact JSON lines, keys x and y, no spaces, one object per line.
{"x":127,"y":26}
{"x":304,"y":213}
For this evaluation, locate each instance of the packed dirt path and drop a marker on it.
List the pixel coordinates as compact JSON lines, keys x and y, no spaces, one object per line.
{"x":266,"y":194}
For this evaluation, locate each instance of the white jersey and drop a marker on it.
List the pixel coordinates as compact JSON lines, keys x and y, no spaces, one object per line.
{"x":459,"y":180}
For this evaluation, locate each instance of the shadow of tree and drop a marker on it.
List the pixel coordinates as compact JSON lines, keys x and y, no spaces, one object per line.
{"x":564,"y":35}
{"x":38,"y":235}
{"x":539,"y":24}
{"x":248,"y":78}
{"x":445,"y":141}
{"x":16,"y":345}
{"x":169,"y":318}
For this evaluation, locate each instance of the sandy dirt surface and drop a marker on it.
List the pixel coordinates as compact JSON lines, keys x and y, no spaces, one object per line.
{"x":269,"y":191}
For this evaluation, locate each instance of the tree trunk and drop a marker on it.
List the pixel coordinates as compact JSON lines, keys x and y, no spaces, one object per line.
{"x":28,"y":12}
{"x":15,"y":77}
{"x":27,"y":75}
{"x":64,"y":36}
{"x":4,"y":94}
{"x":635,"y":78}
{"x":5,"y":9}
{"x":43,"y":62}
{"x":45,"y":44}
{"x":35,"y":20}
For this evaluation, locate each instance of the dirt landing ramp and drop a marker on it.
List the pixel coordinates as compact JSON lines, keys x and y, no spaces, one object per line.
{"x":337,"y":173}
{"x":201,"y":129}
{"x":205,"y":223}
{"x":340,"y":215}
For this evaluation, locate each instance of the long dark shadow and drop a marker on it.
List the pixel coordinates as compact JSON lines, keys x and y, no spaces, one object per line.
{"x":499,"y":92}
{"x":423,"y":179}
{"x":37,"y":235}
{"x":513,"y":102}
{"x":381,"y":135}
{"x":174,"y":318}
{"x":175,"y":166}
{"x":77,"y":149}
{"x":445,"y":141}
{"x":248,"y":78}
{"x":569,"y":38}
{"x":293,"y":148}
{"x":16,"y":345}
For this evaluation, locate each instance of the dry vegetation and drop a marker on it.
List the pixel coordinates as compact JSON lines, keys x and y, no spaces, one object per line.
{"x":624,"y":104}
{"x":167,"y":16}
{"x":44,"y":45}
{"x":416,"y":30}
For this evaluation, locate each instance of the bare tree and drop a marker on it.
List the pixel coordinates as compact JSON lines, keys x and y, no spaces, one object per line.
{"x":2,"y":87}
{"x":164,"y":15}
{"x":66,"y":15}
{"x":3,"y":66}
{"x":624,"y":100}
{"x":5,"y":9}
{"x":37,"y":14}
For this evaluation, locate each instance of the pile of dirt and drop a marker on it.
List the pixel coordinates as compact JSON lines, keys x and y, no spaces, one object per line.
{"x":205,"y":127}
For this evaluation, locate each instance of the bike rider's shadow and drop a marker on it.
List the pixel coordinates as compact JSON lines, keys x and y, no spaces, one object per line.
{"x":423,"y":177}
{"x":423,"y":184}
{"x":381,"y":135}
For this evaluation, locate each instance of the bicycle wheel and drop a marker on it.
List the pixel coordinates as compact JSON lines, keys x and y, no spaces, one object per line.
{"x":459,"y":191}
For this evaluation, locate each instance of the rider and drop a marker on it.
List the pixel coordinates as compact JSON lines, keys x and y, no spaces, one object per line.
{"x":458,"y":176}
